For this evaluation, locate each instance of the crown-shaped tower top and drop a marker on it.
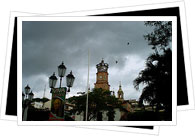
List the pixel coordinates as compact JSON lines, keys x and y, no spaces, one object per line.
{"x":102,"y":67}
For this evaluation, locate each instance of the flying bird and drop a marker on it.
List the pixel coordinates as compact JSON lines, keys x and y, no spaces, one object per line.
{"x":128,"y":43}
{"x":116,"y":61}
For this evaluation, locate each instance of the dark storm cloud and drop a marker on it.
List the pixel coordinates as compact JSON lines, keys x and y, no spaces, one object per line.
{"x":46,"y":44}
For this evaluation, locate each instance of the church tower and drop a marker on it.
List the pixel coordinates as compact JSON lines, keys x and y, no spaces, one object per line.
{"x":102,"y":76}
{"x":120,"y":93}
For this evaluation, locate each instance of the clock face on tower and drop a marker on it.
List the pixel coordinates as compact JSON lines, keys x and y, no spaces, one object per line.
{"x":103,"y":69}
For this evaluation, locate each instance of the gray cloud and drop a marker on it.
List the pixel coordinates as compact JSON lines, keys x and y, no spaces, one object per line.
{"x":46,"y":44}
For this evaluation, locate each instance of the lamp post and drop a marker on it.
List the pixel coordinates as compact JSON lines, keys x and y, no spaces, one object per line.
{"x":26,"y":101}
{"x":69,"y":83}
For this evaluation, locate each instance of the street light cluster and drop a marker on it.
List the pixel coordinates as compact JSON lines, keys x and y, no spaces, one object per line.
{"x":52,"y":82}
{"x":27,"y":98}
{"x":61,"y":72}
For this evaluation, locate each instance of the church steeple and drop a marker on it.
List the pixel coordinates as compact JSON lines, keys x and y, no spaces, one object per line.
{"x":120,"y":92}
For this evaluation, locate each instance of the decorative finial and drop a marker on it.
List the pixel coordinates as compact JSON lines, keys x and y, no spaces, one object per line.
{"x":102,"y":60}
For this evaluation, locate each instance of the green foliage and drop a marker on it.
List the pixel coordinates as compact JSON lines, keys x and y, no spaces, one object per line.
{"x":161,"y":35}
{"x":98,"y":100}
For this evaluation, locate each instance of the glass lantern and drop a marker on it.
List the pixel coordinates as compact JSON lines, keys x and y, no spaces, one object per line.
{"x":52,"y":81}
{"x":61,"y":70}
{"x":27,"y":90}
{"x":70,"y":80}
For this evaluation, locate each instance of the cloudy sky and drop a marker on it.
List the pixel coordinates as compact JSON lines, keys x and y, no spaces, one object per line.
{"x":45,"y":44}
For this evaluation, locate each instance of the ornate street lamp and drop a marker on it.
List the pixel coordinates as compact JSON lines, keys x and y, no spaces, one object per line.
{"x":70,"y":80}
{"x":61,"y":91}
{"x":30,"y":96}
{"x":52,"y":81}
{"x":27,"y":90}
{"x":61,"y":72}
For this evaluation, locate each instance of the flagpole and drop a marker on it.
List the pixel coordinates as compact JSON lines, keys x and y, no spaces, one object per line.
{"x":87,"y":86}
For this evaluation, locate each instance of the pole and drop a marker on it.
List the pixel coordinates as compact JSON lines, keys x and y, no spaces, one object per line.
{"x":87,"y":86}
{"x":65,"y":104}
{"x":60,"y":82}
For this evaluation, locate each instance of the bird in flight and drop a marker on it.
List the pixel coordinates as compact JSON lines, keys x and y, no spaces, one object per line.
{"x":128,"y":43}
{"x":116,"y":61}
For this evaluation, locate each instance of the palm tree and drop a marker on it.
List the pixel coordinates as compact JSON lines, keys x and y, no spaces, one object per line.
{"x":157,"y":80}
{"x":157,"y":76}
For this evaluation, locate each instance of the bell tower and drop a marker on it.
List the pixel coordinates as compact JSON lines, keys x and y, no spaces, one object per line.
{"x":102,"y":76}
{"x":120,"y":93}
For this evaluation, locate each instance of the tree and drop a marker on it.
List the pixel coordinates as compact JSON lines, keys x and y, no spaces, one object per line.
{"x":161,"y":36}
{"x":99,"y":100}
{"x":157,"y":76}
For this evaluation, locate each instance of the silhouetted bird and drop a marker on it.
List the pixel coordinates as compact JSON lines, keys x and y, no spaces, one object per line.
{"x":116,"y":61}
{"x":128,"y":43}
